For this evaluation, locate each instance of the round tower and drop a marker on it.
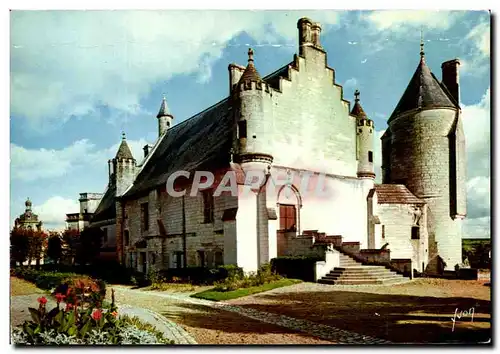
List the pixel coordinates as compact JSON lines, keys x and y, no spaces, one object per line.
{"x":365,"y":129}
{"x":164,"y":118}
{"x":124,"y":166}
{"x":253,"y":111}
{"x":419,"y":152}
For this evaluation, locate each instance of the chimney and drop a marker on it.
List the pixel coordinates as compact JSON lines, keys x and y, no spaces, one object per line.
{"x":305,"y":38}
{"x":315,"y":34}
{"x":235,"y":72}
{"x":147,"y":149}
{"x":450,"y":77}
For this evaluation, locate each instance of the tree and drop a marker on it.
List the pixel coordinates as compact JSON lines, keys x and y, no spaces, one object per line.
{"x":90,"y":245}
{"x":38,"y":243}
{"x":19,"y":246}
{"x":54,"y":247}
{"x":70,"y":244}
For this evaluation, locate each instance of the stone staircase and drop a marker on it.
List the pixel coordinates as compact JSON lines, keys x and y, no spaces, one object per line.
{"x":352,"y":272}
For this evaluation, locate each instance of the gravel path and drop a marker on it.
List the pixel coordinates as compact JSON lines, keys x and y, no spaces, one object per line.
{"x":324,"y":332}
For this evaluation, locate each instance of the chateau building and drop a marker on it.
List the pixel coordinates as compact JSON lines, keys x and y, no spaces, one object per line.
{"x":28,"y":219}
{"x":295,"y":122}
{"x":88,"y":204}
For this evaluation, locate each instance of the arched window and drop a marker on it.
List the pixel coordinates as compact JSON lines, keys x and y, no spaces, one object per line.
{"x":218,"y":258}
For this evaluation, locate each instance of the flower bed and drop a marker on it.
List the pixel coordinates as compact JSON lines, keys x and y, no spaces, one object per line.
{"x":79,"y":318}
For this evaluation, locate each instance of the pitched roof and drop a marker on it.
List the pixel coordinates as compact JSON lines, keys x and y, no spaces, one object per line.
{"x":250,"y":73}
{"x":164,"y":111}
{"x":202,"y":141}
{"x":395,"y":194}
{"x":357,"y":110}
{"x":124,"y":151}
{"x":106,"y":209}
{"x":423,"y":91}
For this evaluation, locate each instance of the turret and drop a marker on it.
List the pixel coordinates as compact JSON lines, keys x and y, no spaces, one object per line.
{"x":124,"y":166}
{"x":254,"y":112}
{"x":424,"y":149}
{"x":164,"y":118}
{"x":364,"y":140}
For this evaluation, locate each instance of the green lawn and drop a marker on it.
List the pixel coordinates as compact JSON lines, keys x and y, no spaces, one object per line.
{"x":228,"y":295}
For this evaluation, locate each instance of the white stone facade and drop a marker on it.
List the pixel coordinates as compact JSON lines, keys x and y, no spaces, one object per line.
{"x":300,"y":124}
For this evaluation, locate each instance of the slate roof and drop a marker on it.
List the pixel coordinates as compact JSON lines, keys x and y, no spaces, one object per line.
{"x":357,"y":110}
{"x":164,"y":111}
{"x":395,"y":194}
{"x":124,"y":151}
{"x":106,"y":209}
{"x":202,"y":141}
{"x":250,"y":73}
{"x":424,"y":91}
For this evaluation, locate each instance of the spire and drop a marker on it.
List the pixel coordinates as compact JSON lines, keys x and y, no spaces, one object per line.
{"x":250,"y":73}
{"x":422,"y":53}
{"x":357,"y":110}
{"x":124,"y":151}
{"x":164,"y":111}
{"x":424,"y":91}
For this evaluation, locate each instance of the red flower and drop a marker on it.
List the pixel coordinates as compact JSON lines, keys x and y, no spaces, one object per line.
{"x":59,"y":297}
{"x":68,"y":307}
{"x":97,"y":314}
{"x":42,"y":300}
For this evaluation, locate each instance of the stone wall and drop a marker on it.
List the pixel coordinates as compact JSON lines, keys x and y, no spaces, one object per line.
{"x":420,"y":159}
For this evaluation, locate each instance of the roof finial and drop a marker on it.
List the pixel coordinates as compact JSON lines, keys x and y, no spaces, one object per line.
{"x":123,"y":135}
{"x":422,"y":53}
{"x":250,"y":55}
{"x":356,"y":94}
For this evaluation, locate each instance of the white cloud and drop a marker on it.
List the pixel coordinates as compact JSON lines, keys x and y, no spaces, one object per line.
{"x":411,"y":19}
{"x":477,"y":60}
{"x":53,"y":211}
{"x":476,"y":122}
{"x":477,"y":228}
{"x":351,"y":83}
{"x":66,"y":62}
{"x":34,"y":164}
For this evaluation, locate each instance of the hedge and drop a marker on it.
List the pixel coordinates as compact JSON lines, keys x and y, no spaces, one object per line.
{"x":201,"y":275}
{"x":295,"y":267}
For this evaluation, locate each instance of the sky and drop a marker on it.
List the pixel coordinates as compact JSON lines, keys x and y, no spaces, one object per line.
{"x":80,"y":78}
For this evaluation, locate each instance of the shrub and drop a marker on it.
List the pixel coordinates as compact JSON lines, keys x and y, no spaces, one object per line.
{"x":297,"y":267}
{"x":82,"y":289}
{"x":43,"y":279}
{"x":238,"y":280}
{"x":78,"y":325}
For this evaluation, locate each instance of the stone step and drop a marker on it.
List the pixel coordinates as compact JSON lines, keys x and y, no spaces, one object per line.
{"x":361,"y":271}
{"x":364,"y":276}
{"x":363,"y":282}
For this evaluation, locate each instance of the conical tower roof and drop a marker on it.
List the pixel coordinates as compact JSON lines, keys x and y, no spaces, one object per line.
{"x":357,"y":110}
{"x":250,"y":73}
{"x":164,"y":111}
{"x":423,"y":91}
{"x":124,"y":151}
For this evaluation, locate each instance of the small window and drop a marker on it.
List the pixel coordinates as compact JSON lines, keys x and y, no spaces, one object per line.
{"x":383,"y":231}
{"x":360,"y":130}
{"x":208,"y":206}
{"x":370,"y":156}
{"x":168,"y":124}
{"x":201,"y":258}
{"x":415,"y":233}
{"x":242,"y":128}
{"x":126,"y":238}
{"x":145,"y":216}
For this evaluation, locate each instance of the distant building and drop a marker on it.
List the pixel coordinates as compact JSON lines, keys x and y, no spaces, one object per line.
{"x":28,"y":220}
{"x":88,"y":205}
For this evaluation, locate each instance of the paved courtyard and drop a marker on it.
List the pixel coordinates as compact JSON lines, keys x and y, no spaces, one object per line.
{"x":422,"y":311}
